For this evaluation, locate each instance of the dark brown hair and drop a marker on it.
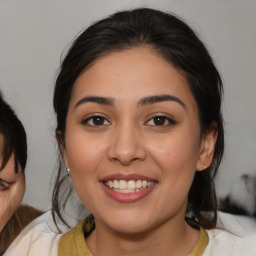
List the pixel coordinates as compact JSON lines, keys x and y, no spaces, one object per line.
{"x":15,"y":140}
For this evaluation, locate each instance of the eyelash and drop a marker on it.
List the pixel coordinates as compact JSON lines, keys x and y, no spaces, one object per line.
{"x":102,"y":121}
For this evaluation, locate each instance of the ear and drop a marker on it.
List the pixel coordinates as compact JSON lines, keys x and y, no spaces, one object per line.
{"x":207,"y":148}
{"x":62,"y":147}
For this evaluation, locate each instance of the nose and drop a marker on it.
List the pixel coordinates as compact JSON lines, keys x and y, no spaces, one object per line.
{"x":127,"y":145}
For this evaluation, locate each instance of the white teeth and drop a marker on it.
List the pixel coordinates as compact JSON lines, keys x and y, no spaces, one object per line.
{"x":130,"y":186}
{"x":111,"y":184}
{"x":144,"y":183}
{"x":138,"y":184}
{"x":122,"y":184}
{"x":116,"y":184}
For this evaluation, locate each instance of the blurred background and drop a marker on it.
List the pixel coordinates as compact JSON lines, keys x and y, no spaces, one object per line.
{"x":34,"y":34}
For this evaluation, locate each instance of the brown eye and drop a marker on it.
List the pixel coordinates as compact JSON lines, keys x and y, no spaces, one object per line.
{"x":96,"y":121}
{"x":160,"y":121}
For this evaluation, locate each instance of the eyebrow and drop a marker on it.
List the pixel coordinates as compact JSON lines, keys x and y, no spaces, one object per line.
{"x":96,"y":99}
{"x":144,"y":101}
{"x":160,"y":98}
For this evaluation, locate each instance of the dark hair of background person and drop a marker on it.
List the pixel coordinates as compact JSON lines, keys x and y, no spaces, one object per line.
{"x":15,"y":140}
{"x":177,"y":43}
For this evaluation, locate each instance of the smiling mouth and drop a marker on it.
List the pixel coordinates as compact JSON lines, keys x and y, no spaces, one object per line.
{"x":130,"y":186}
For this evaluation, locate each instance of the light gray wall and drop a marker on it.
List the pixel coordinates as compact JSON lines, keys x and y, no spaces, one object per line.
{"x":34,"y":33}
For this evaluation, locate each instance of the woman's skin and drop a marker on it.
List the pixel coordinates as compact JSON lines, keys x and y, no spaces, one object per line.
{"x":12,"y":188}
{"x":133,"y":117}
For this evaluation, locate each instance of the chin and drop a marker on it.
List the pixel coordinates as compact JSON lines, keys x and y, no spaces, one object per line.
{"x":129,"y":223}
{"x":128,"y":229}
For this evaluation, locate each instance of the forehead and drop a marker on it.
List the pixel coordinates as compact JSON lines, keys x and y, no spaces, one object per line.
{"x":131,"y":73}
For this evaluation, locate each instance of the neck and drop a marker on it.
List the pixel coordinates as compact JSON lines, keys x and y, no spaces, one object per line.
{"x":168,"y":238}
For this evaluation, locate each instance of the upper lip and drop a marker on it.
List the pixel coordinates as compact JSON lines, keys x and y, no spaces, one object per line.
{"x":119,"y":176}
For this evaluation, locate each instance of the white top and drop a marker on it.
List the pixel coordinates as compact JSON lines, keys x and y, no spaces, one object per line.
{"x":40,"y":237}
{"x":235,"y":236}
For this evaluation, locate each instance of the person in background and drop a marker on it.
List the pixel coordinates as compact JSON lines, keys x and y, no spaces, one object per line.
{"x":13,"y":158}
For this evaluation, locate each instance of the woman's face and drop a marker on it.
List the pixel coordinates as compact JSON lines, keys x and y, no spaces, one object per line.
{"x":133,"y":141}
{"x":12,"y":188}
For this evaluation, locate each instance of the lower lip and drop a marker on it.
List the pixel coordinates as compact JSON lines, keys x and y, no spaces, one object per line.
{"x":127,"y":197}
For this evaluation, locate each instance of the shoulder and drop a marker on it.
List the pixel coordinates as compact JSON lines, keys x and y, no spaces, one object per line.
{"x":70,"y":242}
{"x":20,"y":219}
{"x":40,"y":236}
{"x":234,"y":236}
{"x":27,"y":213}
{"x":240,"y":225}
{"x":73,"y":242}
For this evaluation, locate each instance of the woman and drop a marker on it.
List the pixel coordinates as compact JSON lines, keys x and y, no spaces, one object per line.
{"x":139,"y":127}
{"x":138,"y":104}
{"x":13,"y":157}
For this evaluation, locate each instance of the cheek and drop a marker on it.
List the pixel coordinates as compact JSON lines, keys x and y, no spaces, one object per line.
{"x":176,"y":160}
{"x":5,"y":213}
{"x":84,"y":157}
{"x":17,"y":193}
{"x":10,"y":200}
{"x":176,"y":153}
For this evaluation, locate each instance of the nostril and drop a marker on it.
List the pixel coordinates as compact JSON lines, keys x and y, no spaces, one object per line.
{"x":126,"y":145}
{"x":126,"y":157}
